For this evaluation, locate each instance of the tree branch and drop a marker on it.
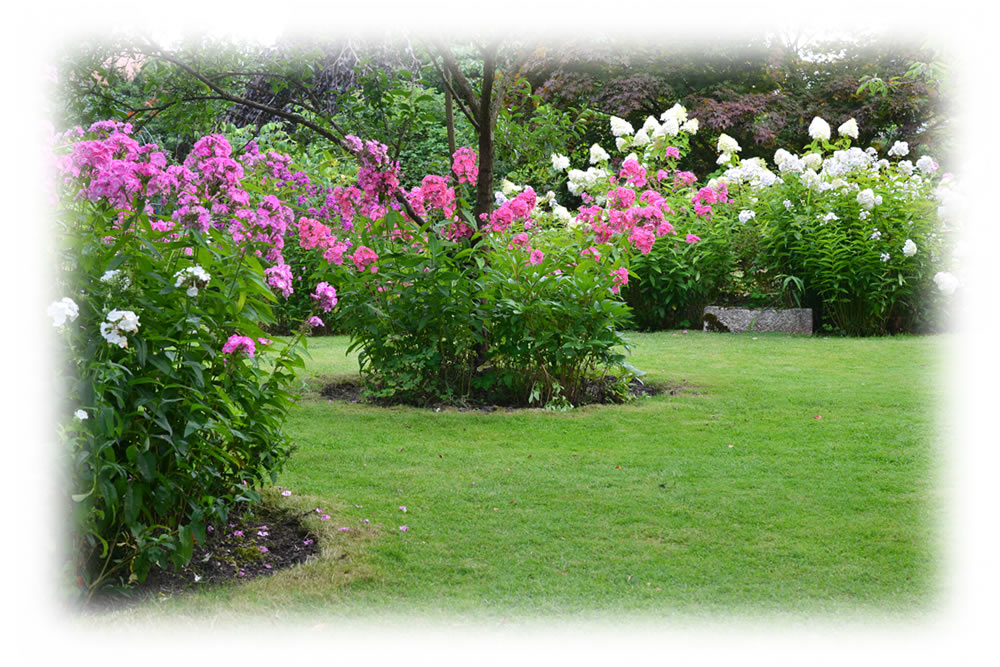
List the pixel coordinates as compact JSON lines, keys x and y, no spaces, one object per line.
{"x":156,"y":52}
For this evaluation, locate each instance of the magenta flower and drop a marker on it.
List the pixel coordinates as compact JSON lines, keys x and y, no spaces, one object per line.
{"x":263,"y":533}
{"x":691,"y":238}
{"x":402,"y":508}
{"x":307,"y":542}
{"x":404,"y":528}
{"x":325,"y":517}
{"x":326,"y":295}
{"x":268,"y":566}
{"x":344,"y":529}
{"x":286,"y":493}
{"x":314,"y":321}
{"x":237,"y":343}
{"x":238,"y":533}
{"x":263,"y":550}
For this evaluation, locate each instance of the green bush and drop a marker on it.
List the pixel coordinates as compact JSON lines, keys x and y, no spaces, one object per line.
{"x":179,"y":397}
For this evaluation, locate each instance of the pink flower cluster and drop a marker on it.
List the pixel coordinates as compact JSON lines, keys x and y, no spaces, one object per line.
{"x":513,"y":210}
{"x":633,"y":173}
{"x":280,"y":278}
{"x":464,"y":165}
{"x":433,"y":193}
{"x":619,"y":277}
{"x":237,"y":344}
{"x":364,"y":258}
{"x":706,"y":196}
{"x":326,"y":295}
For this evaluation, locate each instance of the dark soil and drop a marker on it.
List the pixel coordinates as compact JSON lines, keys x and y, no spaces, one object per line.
{"x":256,"y":542}
{"x":595,"y":392}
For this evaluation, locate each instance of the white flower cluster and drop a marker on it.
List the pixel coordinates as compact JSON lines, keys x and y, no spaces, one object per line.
{"x":62,"y":310}
{"x":193,"y":276}
{"x":726,"y":147}
{"x":819,"y":129}
{"x":926,"y":164}
{"x":560,"y":162}
{"x":652,"y":136}
{"x":909,"y":248}
{"x":949,"y":199}
{"x":884,"y":257}
{"x":900,"y":148}
{"x":746,"y":215}
{"x":119,"y":322}
{"x":81,"y":415}
{"x":598,"y":154}
{"x":116,"y":277}
{"x":876,"y":235}
{"x":621,"y":127}
{"x":753,"y":172}
{"x":868,"y":199}
{"x":849,"y":129}
{"x":580,"y":181}
{"x":946,"y":283}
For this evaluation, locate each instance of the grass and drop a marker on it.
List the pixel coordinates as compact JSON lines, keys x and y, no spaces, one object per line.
{"x":785,"y":475}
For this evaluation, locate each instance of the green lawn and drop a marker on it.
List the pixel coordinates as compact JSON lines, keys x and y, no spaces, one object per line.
{"x":786,"y":475}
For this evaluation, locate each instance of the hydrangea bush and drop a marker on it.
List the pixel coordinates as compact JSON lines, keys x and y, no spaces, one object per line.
{"x":864,"y":237}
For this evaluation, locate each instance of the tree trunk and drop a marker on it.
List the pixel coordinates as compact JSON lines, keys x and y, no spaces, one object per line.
{"x":449,"y":115}
{"x":484,"y":184}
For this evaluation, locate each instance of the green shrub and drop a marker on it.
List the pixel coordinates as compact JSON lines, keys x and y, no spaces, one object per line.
{"x":180,"y":399}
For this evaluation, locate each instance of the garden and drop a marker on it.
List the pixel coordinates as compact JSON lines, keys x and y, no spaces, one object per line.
{"x":364,"y":329}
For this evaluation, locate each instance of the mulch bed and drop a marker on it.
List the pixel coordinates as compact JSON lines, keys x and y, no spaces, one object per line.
{"x":256,"y":542}
{"x":596,"y":392}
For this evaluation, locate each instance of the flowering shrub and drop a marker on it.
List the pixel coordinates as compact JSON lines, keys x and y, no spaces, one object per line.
{"x":177,"y":395}
{"x":862,"y":237}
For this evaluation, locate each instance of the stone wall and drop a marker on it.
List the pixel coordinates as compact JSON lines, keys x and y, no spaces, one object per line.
{"x":739,"y":320}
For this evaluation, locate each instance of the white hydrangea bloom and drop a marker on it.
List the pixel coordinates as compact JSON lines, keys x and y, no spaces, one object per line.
{"x":819,"y":129}
{"x":690,"y":126}
{"x":781,"y":155}
{"x":650,"y":126}
{"x":561,"y":213}
{"x":670,"y":126}
{"x":746,"y":215}
{"x":598,"y":154}
{"x":724,"y":158}
{"x":677,"y":112}
{"x":812,"y":160}
{"x":900,"y":148}
{"x":621,"y":127}
{"x":849,"y":129}
{"x":641,"y":138}
{"x":62,"y":310}
{"x":560,"y":162}
{"x":946,"y":283}
{"x":906,"y":167}
{"x":926,"y":164}
{"x":622,"y":143}
{"x":727,"y":144}
{"x":909,"y":248}
{"x":508,"y":188}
